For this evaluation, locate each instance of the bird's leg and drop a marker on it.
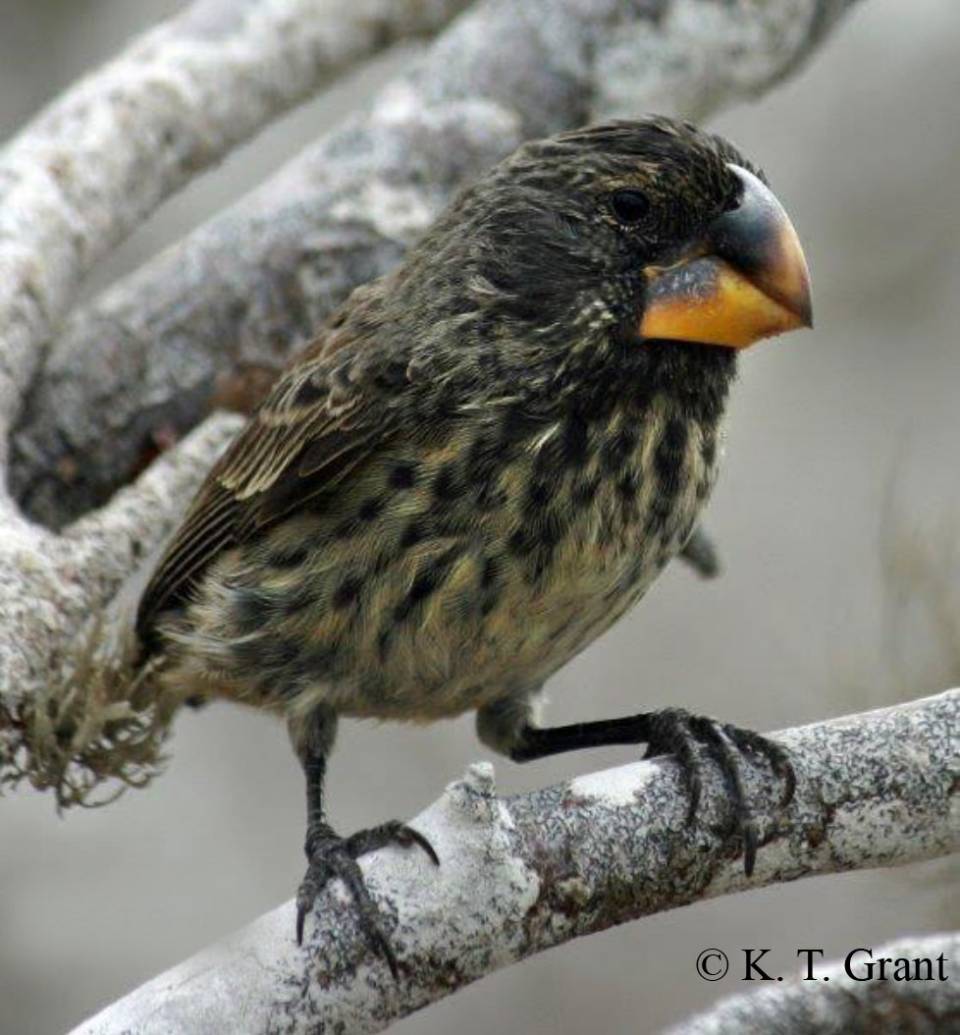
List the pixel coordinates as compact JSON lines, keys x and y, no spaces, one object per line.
{"x":700,"y":553}
{"x":329,"y":855}
{"x":672,"y":731}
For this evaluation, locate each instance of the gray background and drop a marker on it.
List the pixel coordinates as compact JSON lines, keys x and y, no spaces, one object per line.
{"x":831,"y":433}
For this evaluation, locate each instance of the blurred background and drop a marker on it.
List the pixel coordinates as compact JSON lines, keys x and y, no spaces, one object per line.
{"x":837,"y":515}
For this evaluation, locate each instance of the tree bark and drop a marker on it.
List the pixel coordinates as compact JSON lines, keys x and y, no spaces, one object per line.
{"x":98,"y":161}
{"x":522,"y":874}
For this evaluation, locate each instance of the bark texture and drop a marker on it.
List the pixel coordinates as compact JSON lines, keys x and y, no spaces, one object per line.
{"x":98,"y":161}
{"x":522,"y":874}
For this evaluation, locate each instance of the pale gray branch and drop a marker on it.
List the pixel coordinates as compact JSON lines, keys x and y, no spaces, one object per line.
{"x":520,"y":875}
{"x":254,"y":282}
{"x":845,"y":996}
{"x":90,"y":168}
{"x":55,"y":588}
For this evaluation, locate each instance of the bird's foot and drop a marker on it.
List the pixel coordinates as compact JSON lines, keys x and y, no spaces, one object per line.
{"x":330,"y":856}
{"x":677,"y":732}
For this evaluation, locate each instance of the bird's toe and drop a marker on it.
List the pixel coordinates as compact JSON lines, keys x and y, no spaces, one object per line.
{"x":691,"y":737}
{"x":392,"y":832}
{"x":334,"y":857}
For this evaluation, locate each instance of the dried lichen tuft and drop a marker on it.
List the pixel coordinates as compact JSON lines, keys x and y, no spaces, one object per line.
{"x":102,"y":728}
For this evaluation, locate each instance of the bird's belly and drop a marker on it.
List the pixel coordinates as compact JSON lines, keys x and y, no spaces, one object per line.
{"x":463,"y":650}
{"x":435,"y":608}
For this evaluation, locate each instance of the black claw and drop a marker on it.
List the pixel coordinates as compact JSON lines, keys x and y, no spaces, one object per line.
{"x":352,"y":875}
{"x":725,"y":749}
{"x":777,"y":757}
{"x":415,"y":837}
{"x":331,"y":856}
{"x":679,"y":733}
{"x":750,"y":840}
{"x":306,"y":895}
{"x":783,"y":768}
{"x":393,"y":832}
{"x":301,"y":917}
{"x":672,"y":736}
{"x":789,"y":778}
{"x":694,"y":787}
{"x":382,"y":947}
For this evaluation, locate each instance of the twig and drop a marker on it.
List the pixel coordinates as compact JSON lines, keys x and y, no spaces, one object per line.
{"x":96,"y":163}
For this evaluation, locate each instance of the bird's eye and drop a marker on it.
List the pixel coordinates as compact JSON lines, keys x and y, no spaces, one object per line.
{"x":630,"y":206}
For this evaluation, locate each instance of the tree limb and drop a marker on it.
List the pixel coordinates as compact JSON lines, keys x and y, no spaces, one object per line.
{"x":253,"y":283}
{"x":98,"y":161}
{"x":522,"y":874}
{"x":66,"y":718}
{"x":848,"y":1003}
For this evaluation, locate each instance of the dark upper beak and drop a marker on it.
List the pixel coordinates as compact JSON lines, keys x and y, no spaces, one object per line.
{"x":747,"y":278}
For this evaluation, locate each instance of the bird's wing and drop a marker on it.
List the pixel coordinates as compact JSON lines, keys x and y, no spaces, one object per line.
{"x":322,"y":418}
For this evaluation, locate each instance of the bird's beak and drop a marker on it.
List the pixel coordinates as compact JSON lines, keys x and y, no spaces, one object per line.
{"x":746,"y":279}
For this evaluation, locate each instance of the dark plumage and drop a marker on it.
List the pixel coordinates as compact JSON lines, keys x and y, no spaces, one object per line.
{"x":483,"y":460}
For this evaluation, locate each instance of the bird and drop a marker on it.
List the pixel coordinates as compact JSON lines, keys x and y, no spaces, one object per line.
{"x":482,"y":461}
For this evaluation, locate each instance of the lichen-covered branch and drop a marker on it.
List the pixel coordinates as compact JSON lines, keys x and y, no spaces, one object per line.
{"x":69,"y":719}
{"x":848,"y":996}
{"x":520,"y":875}
{"x":235,"y":297}
{"x":95,"y":164}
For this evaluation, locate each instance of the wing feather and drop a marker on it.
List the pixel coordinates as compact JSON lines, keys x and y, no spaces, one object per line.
{"x":320,"y":420}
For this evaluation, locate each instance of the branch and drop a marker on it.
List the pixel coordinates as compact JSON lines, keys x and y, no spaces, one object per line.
{"x":247,"y":288}
{"x":854,"y":1000}
{"x":98,"y":161}
{"x":520,"y":875}
{"x":66,"y":721}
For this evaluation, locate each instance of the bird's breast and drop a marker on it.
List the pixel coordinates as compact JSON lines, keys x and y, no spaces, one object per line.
{"x":441,"y":578}
{"x":610,"y":527}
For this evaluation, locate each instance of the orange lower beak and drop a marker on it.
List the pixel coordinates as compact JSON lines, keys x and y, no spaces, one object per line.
{"x":746,"y":280}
